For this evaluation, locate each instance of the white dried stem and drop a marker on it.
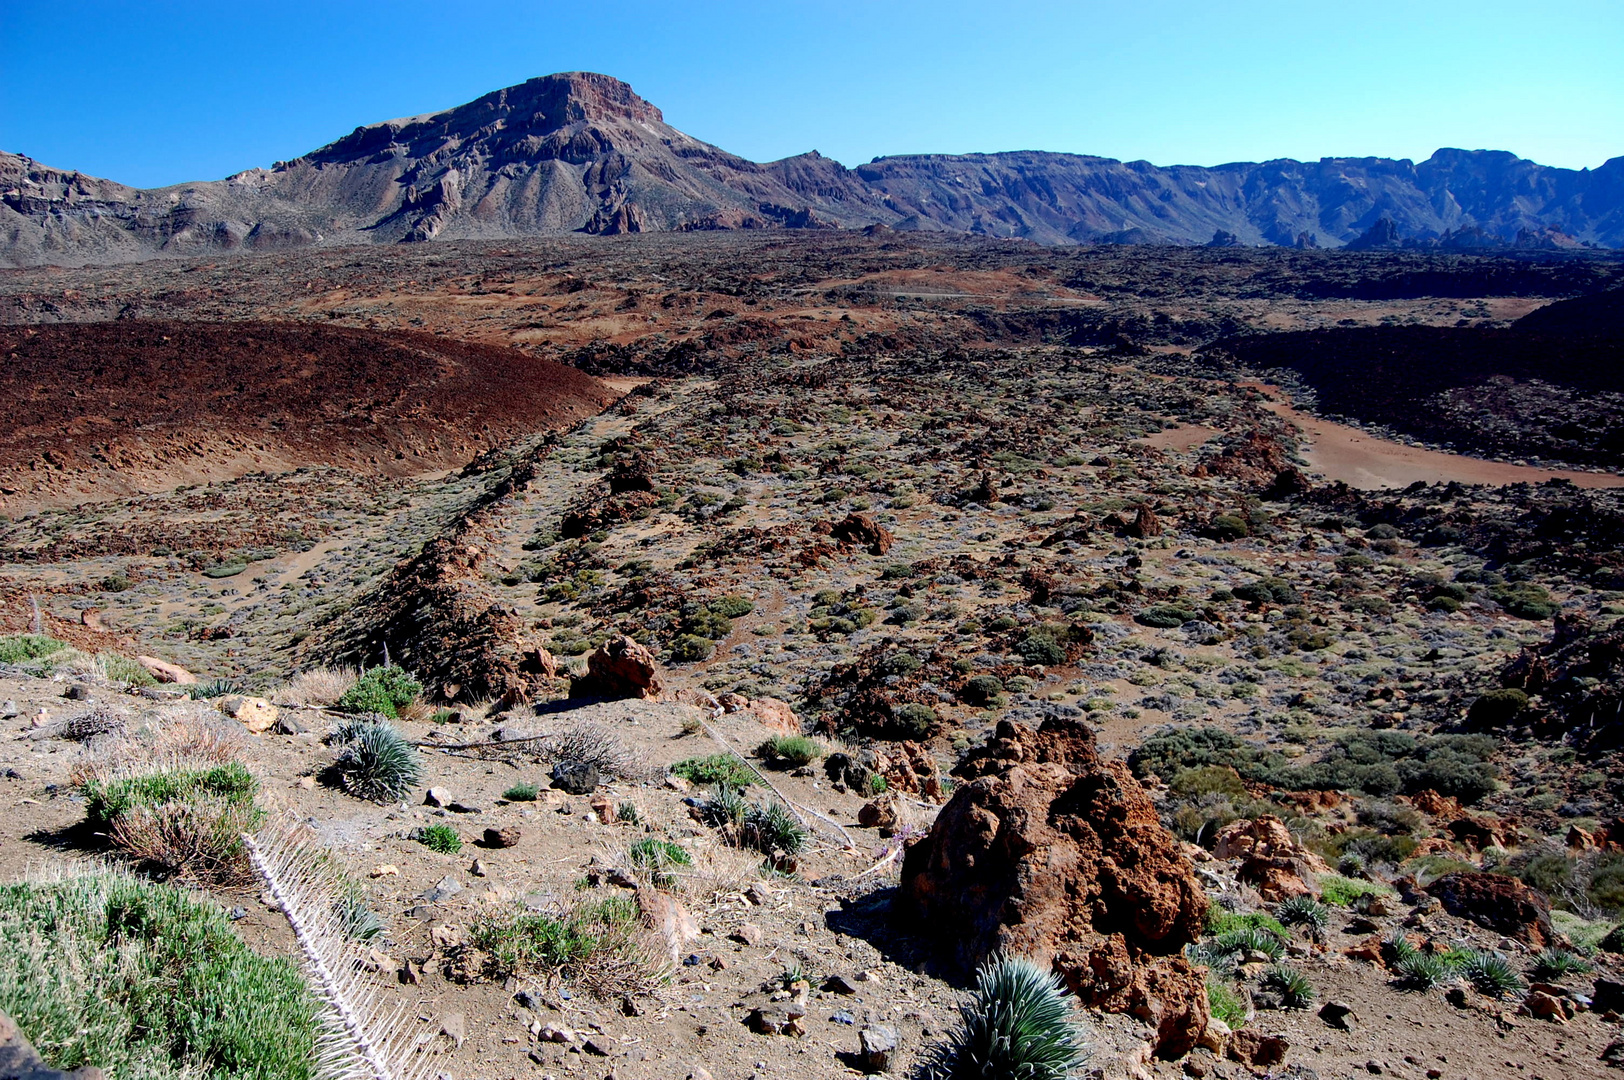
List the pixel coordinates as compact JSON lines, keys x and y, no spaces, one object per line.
{"x":363,"y":1037}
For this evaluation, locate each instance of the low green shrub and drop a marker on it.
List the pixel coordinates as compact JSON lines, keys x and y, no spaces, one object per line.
{"x":188,"y":822}
{"x":383,"y":690}
{"x":521,"y":792}
{"x":1555,"y":962}
{"x":1225,"y":1004}
{"x":147,"y":982}
{"x":691,"y":648}
{"x":731,"y":606}
{"x":573,"y":944}
{"x":792,"y":750}
{"x":21,"y":648}
{"x":720,"y":769}
{"x":983,"y":690}
{"x":915,"y":720}
{"x":1525,"y":600}
{"x":656,"y":857}
{"x":1345,"y":892}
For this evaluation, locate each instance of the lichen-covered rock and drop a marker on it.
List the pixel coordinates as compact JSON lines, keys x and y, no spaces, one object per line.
{"x":1047,"y":851}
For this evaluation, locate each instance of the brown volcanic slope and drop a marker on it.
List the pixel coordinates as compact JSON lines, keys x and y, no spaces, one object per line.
{"x":101,"y":409}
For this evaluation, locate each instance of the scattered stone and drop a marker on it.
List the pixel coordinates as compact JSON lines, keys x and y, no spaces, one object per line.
{"x":504,"y":837}
{"x":747,"y":934}
{"x":436,"y":796}
{"x":386,"y":870}
{"x":77,"y":692}
{"x":877,"y":1048}
{"x":839,"y":984}
{"x":776,"y":715}
{"x":8,"y":710}
{"x":445,"y":887}
{"x":477,"y":868}
{"x":1607,"y":996}
{"x":663,"y":913}
{"x":881,"y":814}
{"x":1338,"y":1014}
{"x":1256,"y":1049}
{"x":619,"y":668}
{"x":757,"y":894}
{"x":575,"y":777}
{"x":774,"y":1020}
{"x":287,"y":724}
{"x":454,"y":1026}
{"x":861,"y":529}
{"x":604,"y":809}
{"x":555,"y":1033}
{"x":1544,"y":1006}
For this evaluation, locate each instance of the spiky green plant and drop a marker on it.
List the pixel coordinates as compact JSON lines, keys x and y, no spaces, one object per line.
{"x":1303,"y":911}
{"x":1018,"y":1024}
{"x":1554,"y":962}
{"x":375,"y":761}
{"x":1417,"y":970}
{"x":1292,"y":985}
{"x":1490,"y":973}
{"x":1396,"y":947}
{"x":208,"y":689}
{"x":356,"y":921}
{"x":1249,"y":939}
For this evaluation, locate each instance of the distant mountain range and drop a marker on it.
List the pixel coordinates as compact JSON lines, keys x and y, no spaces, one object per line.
{"x":580,"y":152}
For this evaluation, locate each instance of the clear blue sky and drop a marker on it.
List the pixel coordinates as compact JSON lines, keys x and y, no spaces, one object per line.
{"x":157,"y":93}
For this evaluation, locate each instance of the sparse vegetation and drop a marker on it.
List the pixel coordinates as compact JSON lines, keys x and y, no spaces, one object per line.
{"x":723,"y":770}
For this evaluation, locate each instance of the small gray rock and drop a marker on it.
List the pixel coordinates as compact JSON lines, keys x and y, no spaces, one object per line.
{"x":575,"y":777}
{"x":436,"y":796}
{"x":1339,"y":1014}
{"x":878,"y":1046}
{"x":446,"y":886}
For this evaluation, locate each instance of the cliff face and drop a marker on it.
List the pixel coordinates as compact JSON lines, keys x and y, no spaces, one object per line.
{"x":582,"y":152}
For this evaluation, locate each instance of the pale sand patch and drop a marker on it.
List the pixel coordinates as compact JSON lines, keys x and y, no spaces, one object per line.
{"x":1339,"y":452}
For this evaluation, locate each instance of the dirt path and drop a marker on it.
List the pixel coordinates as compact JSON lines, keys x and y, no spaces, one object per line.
{"x":1339,"y":452}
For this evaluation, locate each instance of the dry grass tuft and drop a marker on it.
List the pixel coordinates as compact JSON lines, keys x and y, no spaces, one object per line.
{"x":319,"y":687}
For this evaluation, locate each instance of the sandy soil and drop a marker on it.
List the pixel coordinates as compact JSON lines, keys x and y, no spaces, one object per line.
{"x":1339,"y":452}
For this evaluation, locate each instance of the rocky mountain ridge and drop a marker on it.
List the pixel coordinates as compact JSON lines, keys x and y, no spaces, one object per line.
{"x":581,"y":152}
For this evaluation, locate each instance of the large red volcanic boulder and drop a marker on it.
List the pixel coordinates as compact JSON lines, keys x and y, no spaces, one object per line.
{"x":1049,"y":852}
{"x":619,"y":668}
{"x":1504,"y":905}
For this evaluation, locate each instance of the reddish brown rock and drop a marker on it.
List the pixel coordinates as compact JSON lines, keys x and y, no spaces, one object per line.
{"x":776,"y":715}
{"x":164,"y":671}
{"x":1504,"y":905}
{"x":619,"y":668}
{"x":1047,"y":851}
{"x":1273,"y":861}
{"x":864,"y":530}
{"x":881,"y":814}
{"x":1257,"y":1050}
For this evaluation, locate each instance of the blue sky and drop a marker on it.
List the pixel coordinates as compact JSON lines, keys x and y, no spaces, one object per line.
{"x":157,"y":93}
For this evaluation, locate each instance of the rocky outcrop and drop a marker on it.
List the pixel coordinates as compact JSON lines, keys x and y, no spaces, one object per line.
{"x":1271,"y":858}
{"x":864,"y":531}
{"x":1504,"y":905}
{"x":1045,"y":850}
{"x":619,"y":668}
